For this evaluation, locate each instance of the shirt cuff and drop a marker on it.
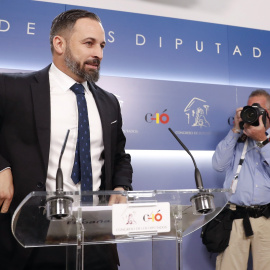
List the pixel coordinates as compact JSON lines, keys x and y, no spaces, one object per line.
{"x":5,"y":169}
{"x":233,"y":136}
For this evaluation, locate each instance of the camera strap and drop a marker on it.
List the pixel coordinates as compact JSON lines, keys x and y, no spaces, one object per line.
{"x":239,"y":167}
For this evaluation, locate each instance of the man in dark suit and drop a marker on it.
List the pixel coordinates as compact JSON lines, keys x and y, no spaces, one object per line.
{"x":36,"y":110}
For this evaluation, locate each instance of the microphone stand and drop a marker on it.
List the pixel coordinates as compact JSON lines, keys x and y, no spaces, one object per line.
{"x":59,"y":206}
{"x":202,"y":202}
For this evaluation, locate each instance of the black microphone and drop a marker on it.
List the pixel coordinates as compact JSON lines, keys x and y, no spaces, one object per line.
{"x":59,"y":173}
{"x":198,"y":177}
{"x":202,"y":203}
{"x":60,"y":205}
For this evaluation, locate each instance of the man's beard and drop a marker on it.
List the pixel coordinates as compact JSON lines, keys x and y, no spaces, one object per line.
{"x":91,"y":75}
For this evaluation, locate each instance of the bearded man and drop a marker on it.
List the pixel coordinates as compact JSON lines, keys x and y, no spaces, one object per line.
{"x":36,"y":110}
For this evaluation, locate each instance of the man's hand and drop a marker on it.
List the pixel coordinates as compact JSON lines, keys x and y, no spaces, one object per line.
{"x":237,"y":120}
{"x":6,"y":189}
{"x":256,"y":133}
{"x":117,"y":198}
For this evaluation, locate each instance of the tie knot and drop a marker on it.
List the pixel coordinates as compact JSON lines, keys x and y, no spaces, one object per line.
{"x":77,"y":88}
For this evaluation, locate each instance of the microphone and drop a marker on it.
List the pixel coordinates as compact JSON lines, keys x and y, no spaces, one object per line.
{"x":59,"y":206}
{"x":198,"y":177}
{"x":202,"y":202}
{"x":59,"y":173}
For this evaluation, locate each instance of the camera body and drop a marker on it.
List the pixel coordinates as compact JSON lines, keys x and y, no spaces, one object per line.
{"x":251,"y":114}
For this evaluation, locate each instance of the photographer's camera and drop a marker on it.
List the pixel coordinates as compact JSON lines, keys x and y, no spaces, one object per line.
{"x":251,"y":114}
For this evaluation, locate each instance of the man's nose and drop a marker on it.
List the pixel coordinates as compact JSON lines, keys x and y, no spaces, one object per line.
{"x":98,"y":52}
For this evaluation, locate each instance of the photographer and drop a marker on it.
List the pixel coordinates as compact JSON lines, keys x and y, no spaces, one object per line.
{"x":244,"y":155}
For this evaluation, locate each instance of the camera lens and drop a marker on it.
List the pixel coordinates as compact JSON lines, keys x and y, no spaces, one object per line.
{"x":249,"y":115}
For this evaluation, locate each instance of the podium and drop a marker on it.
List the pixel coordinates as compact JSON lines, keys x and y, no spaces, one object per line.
{"x":77,"y":219}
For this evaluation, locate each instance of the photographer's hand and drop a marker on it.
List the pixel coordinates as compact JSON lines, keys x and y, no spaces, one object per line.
{"x":256,"y":133}
{"x":237,"y":120}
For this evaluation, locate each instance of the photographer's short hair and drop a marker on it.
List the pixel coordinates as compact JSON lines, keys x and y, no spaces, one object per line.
{"x":261,"y":92}
{"x":66,"y":21}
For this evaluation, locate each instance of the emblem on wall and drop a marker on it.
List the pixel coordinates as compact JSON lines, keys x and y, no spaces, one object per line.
{"x":196,"y":112}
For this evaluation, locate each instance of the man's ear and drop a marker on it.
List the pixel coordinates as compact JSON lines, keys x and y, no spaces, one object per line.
{"x":59,"y":45}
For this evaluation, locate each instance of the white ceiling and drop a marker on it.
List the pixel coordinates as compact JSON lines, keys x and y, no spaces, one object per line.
{"x":243,"y":13}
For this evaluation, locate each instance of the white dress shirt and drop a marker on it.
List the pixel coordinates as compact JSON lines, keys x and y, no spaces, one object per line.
{"x":64,"y":116}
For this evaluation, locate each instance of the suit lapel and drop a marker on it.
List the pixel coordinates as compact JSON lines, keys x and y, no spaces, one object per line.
{"x":41,"y":104}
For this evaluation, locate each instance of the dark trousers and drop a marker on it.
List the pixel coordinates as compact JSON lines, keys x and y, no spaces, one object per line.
{"x":14,"y":257}
{"x":97,"y":257}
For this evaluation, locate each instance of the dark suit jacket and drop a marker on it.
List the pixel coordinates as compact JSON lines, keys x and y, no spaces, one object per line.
{"x":25,"y":135}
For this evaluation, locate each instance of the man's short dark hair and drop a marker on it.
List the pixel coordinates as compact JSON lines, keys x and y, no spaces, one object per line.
{"x":261,"y":92}
{"x":66,"y":21}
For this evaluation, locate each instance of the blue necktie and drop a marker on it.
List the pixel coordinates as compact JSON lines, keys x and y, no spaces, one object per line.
{"x":82,"y":169}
